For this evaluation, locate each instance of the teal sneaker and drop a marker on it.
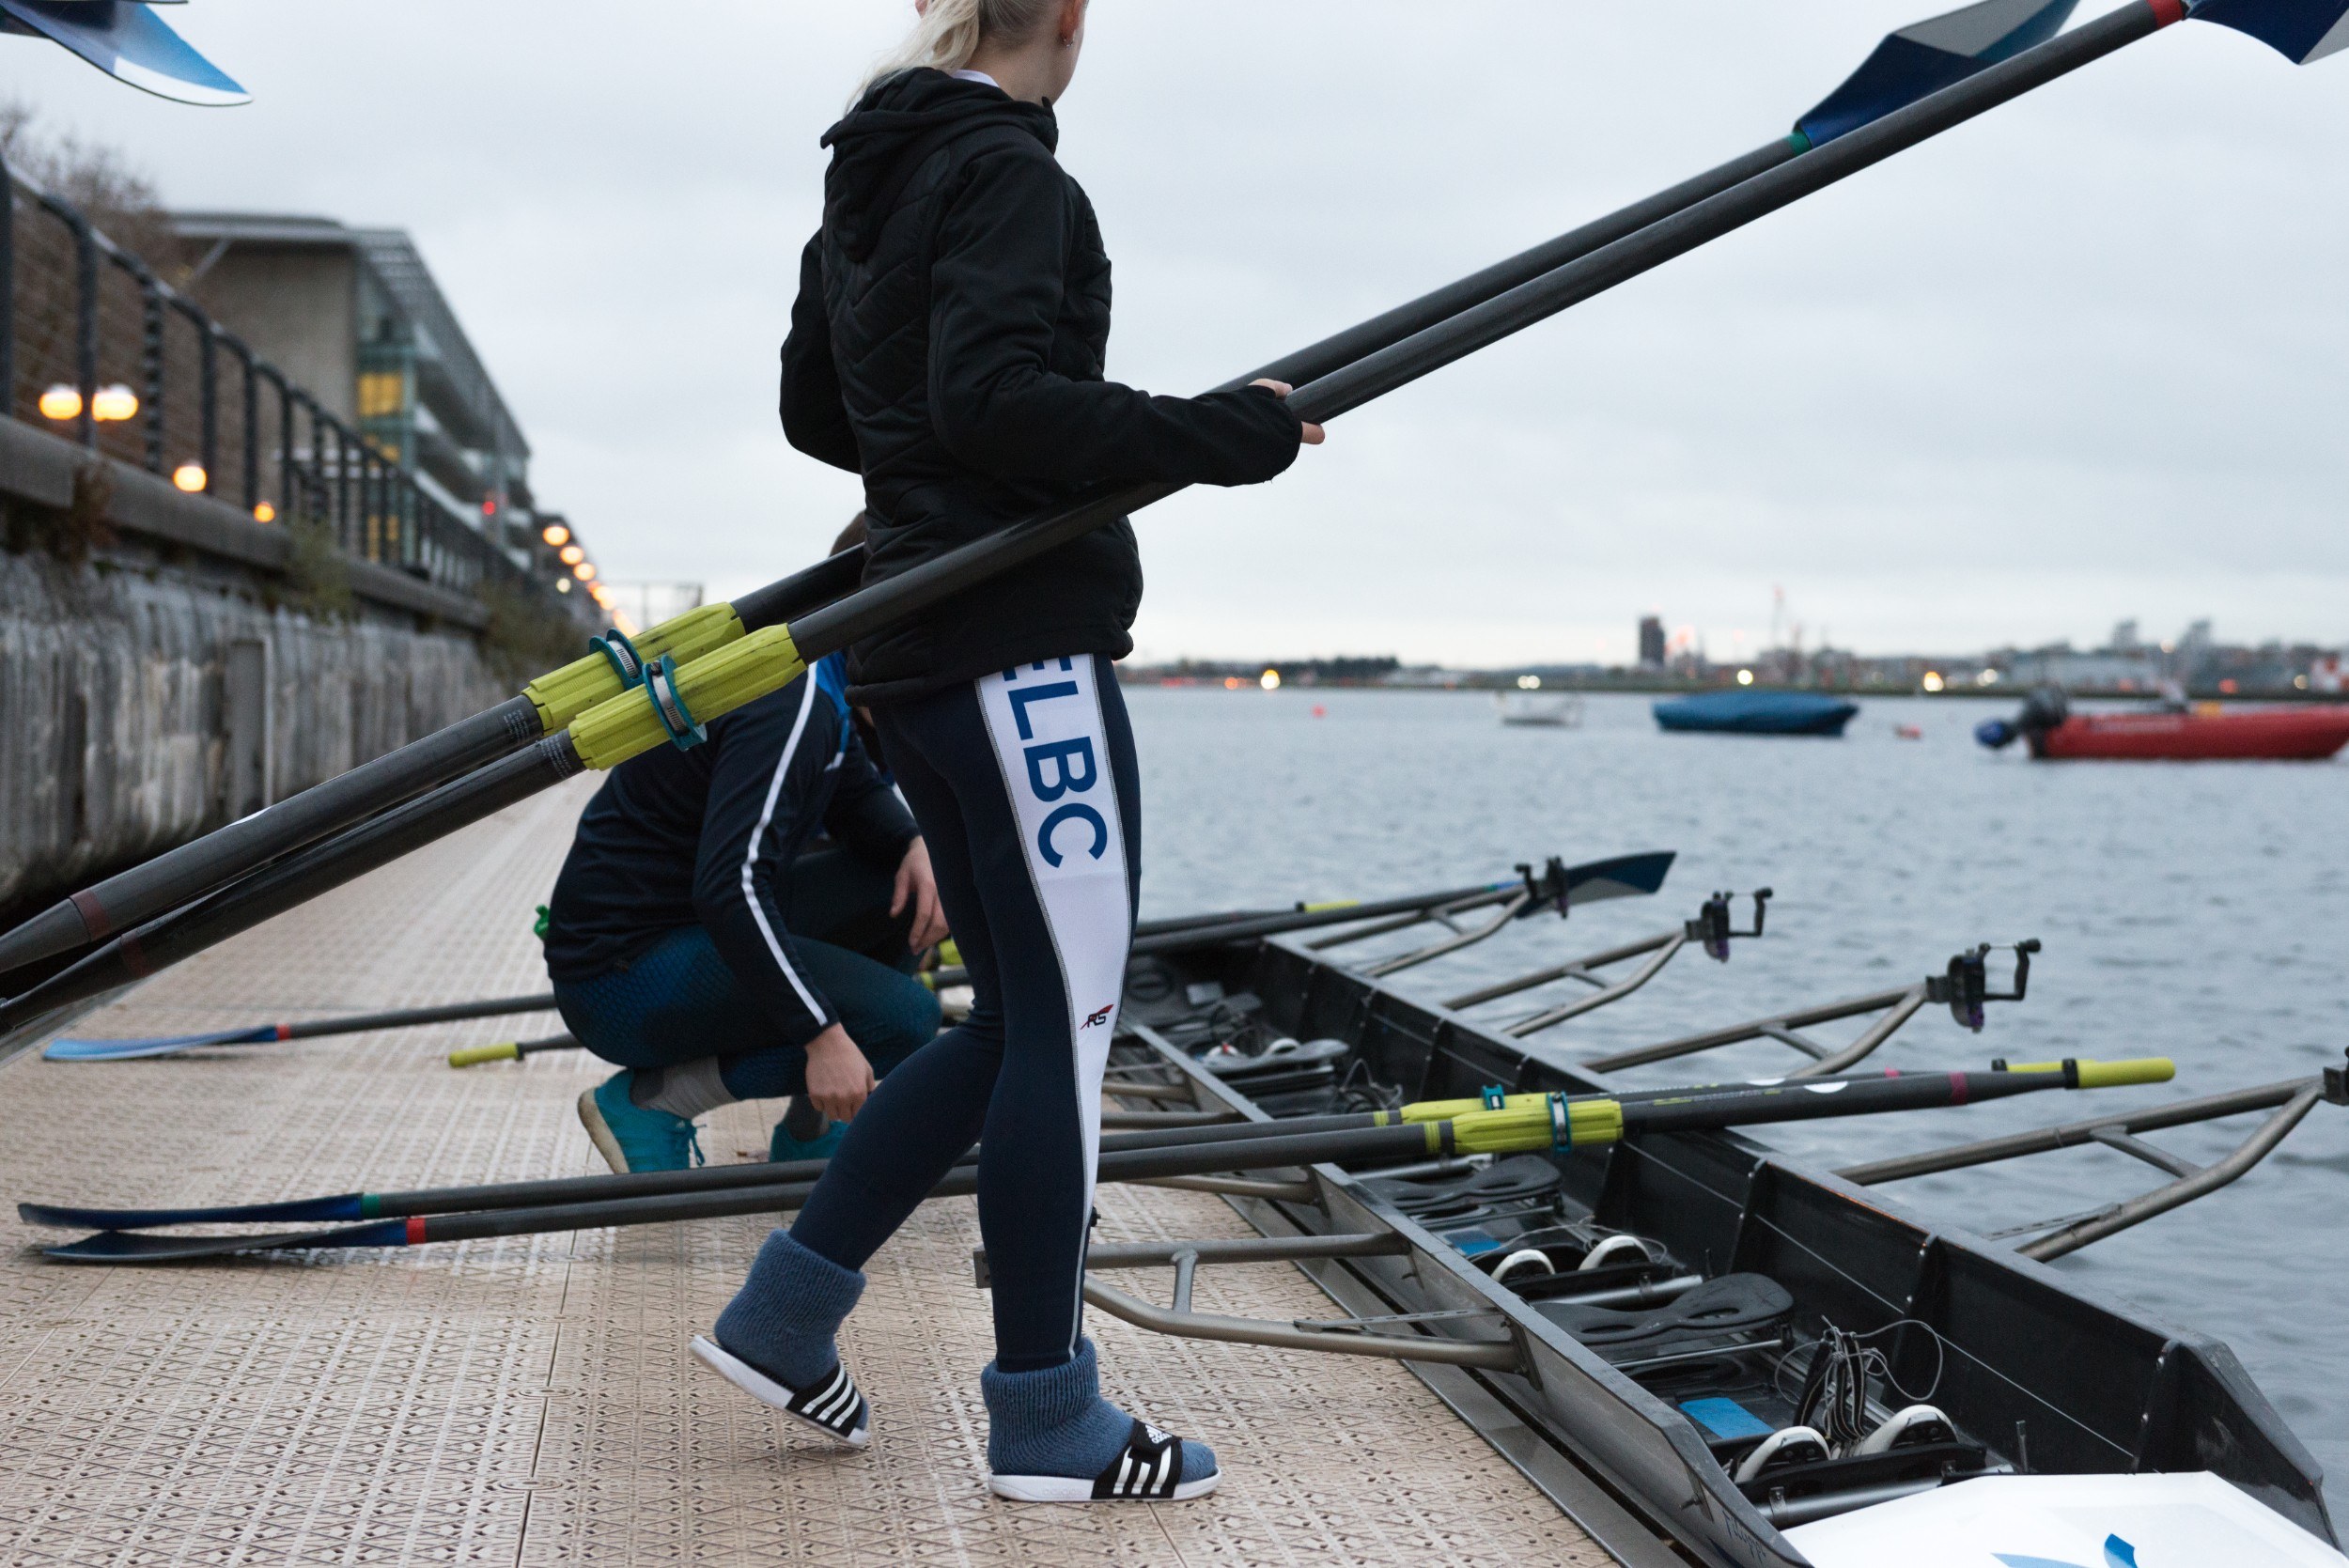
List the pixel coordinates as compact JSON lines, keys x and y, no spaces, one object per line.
{"x":632,"y":1136}
{"x":783,"y":1146}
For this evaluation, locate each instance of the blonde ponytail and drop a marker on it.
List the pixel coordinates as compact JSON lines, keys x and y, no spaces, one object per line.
{"x":949,"y":32}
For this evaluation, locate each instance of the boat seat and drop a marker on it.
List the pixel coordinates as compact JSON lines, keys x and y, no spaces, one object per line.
{"x":1717,"y":1313}
{"x":1472,"y":1192}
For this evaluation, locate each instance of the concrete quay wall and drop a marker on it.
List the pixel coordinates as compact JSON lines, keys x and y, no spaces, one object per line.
{"x":168,"y":664}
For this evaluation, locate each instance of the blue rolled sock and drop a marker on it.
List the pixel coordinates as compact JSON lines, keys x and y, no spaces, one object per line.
{"x":1055,"y":1422}
{"x":783,"y":1319}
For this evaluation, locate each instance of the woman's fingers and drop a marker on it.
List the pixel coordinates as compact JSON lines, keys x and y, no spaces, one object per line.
{"x":1314,"y":434}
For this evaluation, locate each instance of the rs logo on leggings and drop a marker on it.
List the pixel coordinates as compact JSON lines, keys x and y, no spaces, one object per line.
{"x":1058,"y":769}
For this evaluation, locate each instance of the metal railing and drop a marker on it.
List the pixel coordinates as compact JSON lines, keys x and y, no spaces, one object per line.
{"x":80,"y":312}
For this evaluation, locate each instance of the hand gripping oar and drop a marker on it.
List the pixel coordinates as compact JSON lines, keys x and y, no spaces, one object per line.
{"x":1550,"y":1122}
{"x":673,"y":701}
{"x":1907,"y":65}
{"x":312,"y":1029}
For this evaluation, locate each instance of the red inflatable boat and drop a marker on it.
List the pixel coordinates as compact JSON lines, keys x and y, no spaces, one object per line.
{"x":2270,"y":733}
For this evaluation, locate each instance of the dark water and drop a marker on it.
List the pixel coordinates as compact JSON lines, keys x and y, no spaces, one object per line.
{"x":2197,"y":913}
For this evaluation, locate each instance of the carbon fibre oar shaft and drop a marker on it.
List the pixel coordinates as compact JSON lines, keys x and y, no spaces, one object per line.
{"x":298,"y":879}
{"x":1376,"y":374}
{"x":1554,"y":1121}
{"x":309,"y":1029}
{"x":1903,"y":67}
{"x":448,"y":1200}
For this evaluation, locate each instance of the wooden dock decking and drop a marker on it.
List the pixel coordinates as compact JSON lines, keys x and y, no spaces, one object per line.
{"x":530,"y":1401}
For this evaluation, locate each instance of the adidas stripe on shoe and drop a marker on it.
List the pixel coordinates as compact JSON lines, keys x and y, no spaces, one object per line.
{"x":832,"y":1405}
{"x":1149,"y":1469}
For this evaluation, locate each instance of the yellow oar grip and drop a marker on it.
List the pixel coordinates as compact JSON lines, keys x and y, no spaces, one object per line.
{"x":562,"y":695}
{"x":473,"y":1056}
{"x":1551,"y":1122}
{"x":742,"y":671}
{"x":2105,"y":1075}
{"x":1449,"y":1110}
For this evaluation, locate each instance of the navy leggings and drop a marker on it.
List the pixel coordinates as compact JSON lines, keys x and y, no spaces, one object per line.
{"x":679,"y":1003}
{"x":1025,"y":786}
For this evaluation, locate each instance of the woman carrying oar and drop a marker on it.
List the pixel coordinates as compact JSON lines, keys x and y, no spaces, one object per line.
{"x":948,"y":343}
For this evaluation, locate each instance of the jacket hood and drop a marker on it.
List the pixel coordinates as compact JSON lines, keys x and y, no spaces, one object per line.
{"x":901,"y":120}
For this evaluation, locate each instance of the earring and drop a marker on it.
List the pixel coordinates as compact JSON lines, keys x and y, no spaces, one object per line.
{"x":1068,"y":43}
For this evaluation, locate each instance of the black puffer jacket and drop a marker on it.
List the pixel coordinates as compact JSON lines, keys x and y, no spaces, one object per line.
{"x":948,"y":345}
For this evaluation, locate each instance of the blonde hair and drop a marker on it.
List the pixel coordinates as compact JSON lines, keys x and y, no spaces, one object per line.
{"x":949,"y":33}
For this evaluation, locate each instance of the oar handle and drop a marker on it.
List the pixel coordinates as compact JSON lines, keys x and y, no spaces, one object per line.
{"x":2087,"y":1073}
{"x":473,"y":1056}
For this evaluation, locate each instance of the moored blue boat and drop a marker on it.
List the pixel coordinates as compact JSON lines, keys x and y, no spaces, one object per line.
{"x":1758,"y":713}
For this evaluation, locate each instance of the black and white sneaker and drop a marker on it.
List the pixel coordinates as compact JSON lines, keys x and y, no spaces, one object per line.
{"x":832,"y":1405}
{"x":1151,"y":1469}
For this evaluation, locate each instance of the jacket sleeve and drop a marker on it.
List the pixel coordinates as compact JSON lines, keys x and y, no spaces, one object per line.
{"x":770,"y":757}
{"x":865,"y":815}
{"x":996,"y":283}
{"x":814,"y":419}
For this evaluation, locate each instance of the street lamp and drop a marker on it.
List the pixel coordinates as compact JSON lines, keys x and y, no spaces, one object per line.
{"x":189,"y":477}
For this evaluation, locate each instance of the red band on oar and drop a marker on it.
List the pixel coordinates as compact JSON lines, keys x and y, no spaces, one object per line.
{"x":2167,"y":12}
{"x":416,"y":1230}
{"x":93,"y":915}
{"x":134,"y":957}
{"x":284,"y":1032}
{"x":1957,"y":1087}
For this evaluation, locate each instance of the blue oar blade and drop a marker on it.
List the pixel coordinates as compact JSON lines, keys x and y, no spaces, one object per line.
{"x":131,"y":44}
{"x":151,"y":1044}
{"x":1625,"y":877}
{"x":132,"y":1247}
{"x":314,"y":1211}
{"x":2300,"y":30}
{"x":1923,"y":58}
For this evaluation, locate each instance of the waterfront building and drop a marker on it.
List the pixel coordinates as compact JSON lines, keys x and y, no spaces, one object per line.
{"x":355,"y":316}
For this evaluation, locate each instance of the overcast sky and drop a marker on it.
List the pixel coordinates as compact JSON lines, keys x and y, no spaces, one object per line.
{"x":2084,"y":358}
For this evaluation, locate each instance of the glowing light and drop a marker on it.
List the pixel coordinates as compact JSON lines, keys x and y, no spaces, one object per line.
{"x":61,"y":402}
{"x":264,"y":513}
{"x":573,"y":556}
{"x":1933,"y":681}
{"x":1231,"y":683}
{"x":113,"y":404}
{"x":555,"y":533}
{"x":561,"y":585}
{"x":1269,"y":680}
{"x":490,"y":507}
{"x":1990,"y":677}
{"x":585,"y":571}
{"x":1745,"y":677}
{"x":189,"y":477}
{"x":1529,"y":683}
